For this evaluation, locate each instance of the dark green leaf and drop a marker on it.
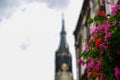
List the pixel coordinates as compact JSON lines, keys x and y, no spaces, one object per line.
{"x":96,"y":18}
{"x":90,"y":21}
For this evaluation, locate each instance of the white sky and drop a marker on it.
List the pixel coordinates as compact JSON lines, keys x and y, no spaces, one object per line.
{"x":29,"y":39}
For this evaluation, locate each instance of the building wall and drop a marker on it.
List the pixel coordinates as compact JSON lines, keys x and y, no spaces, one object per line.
{"x":82,"y":31}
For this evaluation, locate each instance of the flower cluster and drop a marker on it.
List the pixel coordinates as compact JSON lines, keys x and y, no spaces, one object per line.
{"x":102,"y":51}
{"x":115,"y":9}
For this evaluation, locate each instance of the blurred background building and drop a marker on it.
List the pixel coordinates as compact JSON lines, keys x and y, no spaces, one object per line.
{"x":63,"y":61}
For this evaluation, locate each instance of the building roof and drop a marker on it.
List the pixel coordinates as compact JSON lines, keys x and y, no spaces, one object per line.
{"x":82,"y":12}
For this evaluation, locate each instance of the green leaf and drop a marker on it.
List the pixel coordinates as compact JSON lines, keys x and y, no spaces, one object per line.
{"x":90,"y":53}
{"x":113,"y":29}
{"x":113,"y":18}
{"x":96,"y":18}
{"x":102,"y":18}
{"x":90,"y":21}
{"x":116,"y":34}
{"x":118,"y":2}
{"x":82,"y":54}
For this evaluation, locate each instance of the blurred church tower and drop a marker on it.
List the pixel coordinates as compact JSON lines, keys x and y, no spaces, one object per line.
{"x":63,"y":61}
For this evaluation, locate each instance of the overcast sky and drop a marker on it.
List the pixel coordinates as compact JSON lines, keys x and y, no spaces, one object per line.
{"x":30,"y":34}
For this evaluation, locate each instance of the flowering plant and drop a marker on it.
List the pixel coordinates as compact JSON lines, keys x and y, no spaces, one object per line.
{"x":102,"y":51}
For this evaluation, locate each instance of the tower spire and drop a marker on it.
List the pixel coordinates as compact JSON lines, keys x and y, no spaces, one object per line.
{"x":63,"y":23}
{"x":63,"y":44}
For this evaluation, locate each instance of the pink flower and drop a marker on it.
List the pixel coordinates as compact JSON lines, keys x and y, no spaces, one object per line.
{"x":107,"y":36}
{"x":113,"y":24}
{"x":104,"y":47}
{"x":87,"y":48}
{"x":98,"y":65}
{"x":118,"y":6}
{"x":90,"y":64}
{"x":106,"y":27}
{"x":81,"y":62}
{"x":97,"y":30}
{"x":90,"y":39}
{"x":114,"y":10}
{"x":93,"y":32}
{"x":102,"y":78}
{"x":117,"y":73}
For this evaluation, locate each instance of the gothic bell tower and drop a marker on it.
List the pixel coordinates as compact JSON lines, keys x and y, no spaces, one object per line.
{"x":63,"y":61}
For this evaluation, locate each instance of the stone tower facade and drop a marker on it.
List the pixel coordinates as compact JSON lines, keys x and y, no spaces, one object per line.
{"x":63,"y":61}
